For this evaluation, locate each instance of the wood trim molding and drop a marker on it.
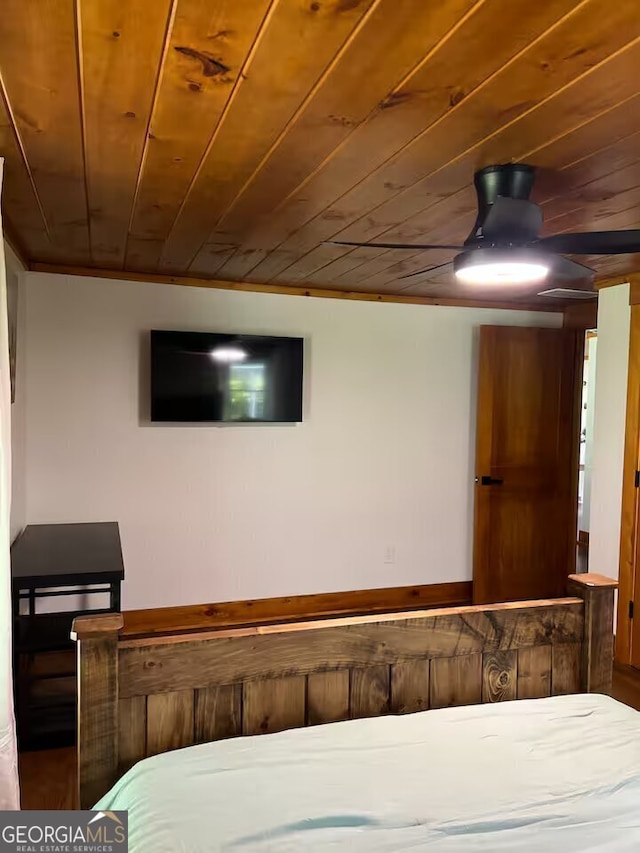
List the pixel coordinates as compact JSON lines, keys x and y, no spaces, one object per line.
{"x":293,"y":290}
{"x":613,"y":280}
{"x":265,"y":611}
{"x":629,"y":512}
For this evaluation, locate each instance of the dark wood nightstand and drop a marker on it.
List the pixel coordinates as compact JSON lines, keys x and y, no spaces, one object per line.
{"x":50,"y":561}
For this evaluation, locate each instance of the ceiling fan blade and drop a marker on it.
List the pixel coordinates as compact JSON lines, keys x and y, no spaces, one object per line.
{"x":512,"y":219}
{"x":428,"y":269}
{"x":566,"y":268}
{"x":593,"y":243}
{"x":417,"y":246}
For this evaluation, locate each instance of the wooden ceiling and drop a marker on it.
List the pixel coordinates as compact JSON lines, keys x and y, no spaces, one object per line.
{"x":227,"y":139}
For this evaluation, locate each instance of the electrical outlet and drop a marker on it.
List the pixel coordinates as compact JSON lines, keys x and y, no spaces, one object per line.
{"x":390,"y":554}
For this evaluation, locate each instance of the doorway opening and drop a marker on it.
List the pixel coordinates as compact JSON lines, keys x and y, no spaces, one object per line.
{"x":586,"y":448}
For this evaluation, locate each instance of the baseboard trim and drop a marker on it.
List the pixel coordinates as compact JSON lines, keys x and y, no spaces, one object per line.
{"x":264,"y":611}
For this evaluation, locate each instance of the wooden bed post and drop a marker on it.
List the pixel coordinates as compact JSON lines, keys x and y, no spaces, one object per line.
{"x":97,"y":656}
{"x":597,"y":591}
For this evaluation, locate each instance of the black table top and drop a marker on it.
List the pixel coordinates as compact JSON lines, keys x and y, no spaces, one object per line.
{"x":49,"y":555}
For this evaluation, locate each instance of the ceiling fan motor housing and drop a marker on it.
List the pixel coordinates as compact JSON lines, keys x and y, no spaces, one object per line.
{"x":510,"y":180}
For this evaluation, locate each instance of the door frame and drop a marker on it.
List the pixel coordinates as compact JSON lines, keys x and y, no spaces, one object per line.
{"x":629,"y":521}
{"x":581,"y":316}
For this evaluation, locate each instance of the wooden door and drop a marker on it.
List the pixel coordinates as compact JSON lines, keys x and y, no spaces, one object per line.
{"x":628,"y":619}
{"x":526,"y":462}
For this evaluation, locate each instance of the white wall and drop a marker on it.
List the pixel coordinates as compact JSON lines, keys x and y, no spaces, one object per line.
{"x":15,"y":276}
{"x":384,"y":457}
{"x":614,"y":318}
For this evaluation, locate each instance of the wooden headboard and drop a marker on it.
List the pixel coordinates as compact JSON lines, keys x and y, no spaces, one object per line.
{"x":138,"y":697}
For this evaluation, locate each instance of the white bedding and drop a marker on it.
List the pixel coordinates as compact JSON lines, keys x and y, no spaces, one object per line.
{"x":560,"y":774}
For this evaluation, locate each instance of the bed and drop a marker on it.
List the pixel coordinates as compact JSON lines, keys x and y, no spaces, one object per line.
{"x":542,"y":774}
{"x":479,"y":771}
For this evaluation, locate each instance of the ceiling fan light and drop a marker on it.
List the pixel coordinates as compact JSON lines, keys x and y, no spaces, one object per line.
{"x":478,"y":268}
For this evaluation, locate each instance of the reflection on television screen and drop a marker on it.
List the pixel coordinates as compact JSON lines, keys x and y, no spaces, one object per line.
{"x":207,"y":377}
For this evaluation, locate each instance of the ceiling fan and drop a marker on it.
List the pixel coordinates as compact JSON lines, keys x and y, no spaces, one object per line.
{"x":505,"y":247}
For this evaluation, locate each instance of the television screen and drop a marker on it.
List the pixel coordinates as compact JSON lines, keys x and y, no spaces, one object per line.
{"x":201,"y":376}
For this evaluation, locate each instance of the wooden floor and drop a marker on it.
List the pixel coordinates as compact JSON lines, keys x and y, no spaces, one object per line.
{"x":48,"y":777}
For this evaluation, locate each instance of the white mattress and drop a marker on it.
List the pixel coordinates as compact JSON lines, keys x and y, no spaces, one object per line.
{"x":560,"y":774}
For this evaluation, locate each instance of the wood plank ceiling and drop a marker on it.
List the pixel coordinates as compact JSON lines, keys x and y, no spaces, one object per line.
{"x":228,"y":139}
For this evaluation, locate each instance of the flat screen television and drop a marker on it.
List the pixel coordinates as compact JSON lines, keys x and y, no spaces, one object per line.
{"x":215,"y":378}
